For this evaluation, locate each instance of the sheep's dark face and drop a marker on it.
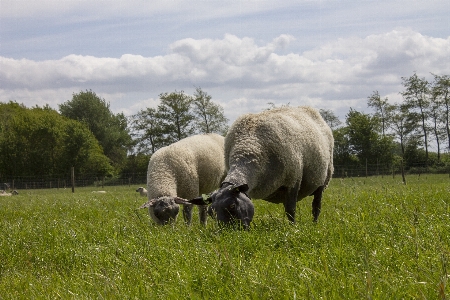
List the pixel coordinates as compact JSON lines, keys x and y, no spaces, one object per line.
{"x":162,"y":210}
{"x":231,"y":206}
{"x":166,"y":210}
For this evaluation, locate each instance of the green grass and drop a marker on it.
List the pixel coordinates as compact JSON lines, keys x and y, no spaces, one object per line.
{"x":375,"y":239}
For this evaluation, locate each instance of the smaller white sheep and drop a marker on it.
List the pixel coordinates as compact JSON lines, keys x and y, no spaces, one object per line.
{"x":183,"y":170}
{"x":142,"y":191}
{"x":99,"y":192}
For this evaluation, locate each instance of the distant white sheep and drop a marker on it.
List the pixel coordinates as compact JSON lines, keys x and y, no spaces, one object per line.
{"x":142,"y":191}
{"x":99,"y":192}
{"x":183,"y":170}
{"x":4,"y":193}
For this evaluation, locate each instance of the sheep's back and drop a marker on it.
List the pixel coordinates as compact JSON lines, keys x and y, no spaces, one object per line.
{"x":188,"y":167}
{"x":283,"y":145}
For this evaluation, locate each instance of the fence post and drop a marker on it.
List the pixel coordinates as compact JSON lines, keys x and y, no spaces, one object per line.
{"x":366,"y":167}
{"x":72,"y":176}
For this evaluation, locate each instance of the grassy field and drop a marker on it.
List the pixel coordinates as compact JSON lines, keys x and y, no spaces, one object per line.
{"x":375,"y":239}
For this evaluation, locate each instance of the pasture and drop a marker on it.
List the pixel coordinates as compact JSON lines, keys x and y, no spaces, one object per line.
{"x":375,"y":239}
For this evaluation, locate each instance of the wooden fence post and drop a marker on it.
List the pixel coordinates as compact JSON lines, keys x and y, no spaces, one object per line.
{"x":72,"y":176}
{"x":366,"y":167}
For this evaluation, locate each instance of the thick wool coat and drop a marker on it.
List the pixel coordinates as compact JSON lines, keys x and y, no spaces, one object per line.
{"x":273,"y":150}
{"x":188,"y":168}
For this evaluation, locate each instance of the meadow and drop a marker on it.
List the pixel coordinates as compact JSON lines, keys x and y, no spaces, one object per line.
{"x":376,"y":239}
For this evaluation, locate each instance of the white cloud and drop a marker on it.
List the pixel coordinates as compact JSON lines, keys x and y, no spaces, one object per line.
{"x":243,"y":74}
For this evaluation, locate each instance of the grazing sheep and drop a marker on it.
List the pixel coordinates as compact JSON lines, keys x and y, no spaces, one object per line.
{"x":183,"y":170}
{"x":99,"y":192}
{"x":281,"y":155}
{"x":163,"y":210}
{"x":142,"y":191}
{"x":4,"y":193}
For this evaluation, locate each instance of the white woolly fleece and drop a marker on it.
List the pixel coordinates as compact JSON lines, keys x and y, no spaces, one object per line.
{"x":188,"y":168}
{"x":274,"y":149}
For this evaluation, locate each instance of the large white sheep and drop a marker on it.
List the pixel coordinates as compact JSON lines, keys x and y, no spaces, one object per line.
{"x":183,"y":170}
{"x":281,"y":155}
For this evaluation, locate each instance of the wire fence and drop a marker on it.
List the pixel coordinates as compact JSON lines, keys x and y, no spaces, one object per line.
{"x":140,"y":179}
{"x":65,"y":181}
{"x":341,"y":171}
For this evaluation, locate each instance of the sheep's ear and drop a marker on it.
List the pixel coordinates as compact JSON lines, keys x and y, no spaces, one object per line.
{"x":202,"y":200}
{"x":179,"y":200}
{"x":149,"y":203}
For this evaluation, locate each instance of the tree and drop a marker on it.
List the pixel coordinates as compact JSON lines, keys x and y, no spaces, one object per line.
{"x":416,"y":99}
{"x":342,"y":154}
{"x":382,"y":108}
{"x":108,"y":128}
{"x":148,"y":131}
{"x":209,"y":116}
{"x":39,"y":141}
{"x":175,"y":115}
{"x":441,"y":90}
{"x":136,"y":164}
{"x":365,"y":142}
{"x":437,"y":118}
{"x":82,"y":151}
{"x":8,"y":140}
{"x":330,"y":118}
{"x":402,"y":124}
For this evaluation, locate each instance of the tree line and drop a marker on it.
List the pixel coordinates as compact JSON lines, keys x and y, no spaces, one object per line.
{"x":86,"y":134}
{"x":397,"y":134}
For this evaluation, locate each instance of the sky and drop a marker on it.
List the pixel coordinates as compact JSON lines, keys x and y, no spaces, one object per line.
{"x":244,"y":53}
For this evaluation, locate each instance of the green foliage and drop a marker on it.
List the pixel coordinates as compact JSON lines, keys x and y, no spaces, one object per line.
{"x":330,"y":118}
{"x":417,"y":100}
{"x":136,"y":164}
{"x":376,"y":239}
{"x":383,"y":109}
{"x":364,"y":140}
{"x":209,"y":116}
{"x":178,"y":116}
{"x":147,"y":131}
{"x":342,"y":154}
{"x":441,"y":94}
{"x":39,"y":141}
{"x":110,"y":130}
{"x":83,"y":152}
{"x":175,"y":116}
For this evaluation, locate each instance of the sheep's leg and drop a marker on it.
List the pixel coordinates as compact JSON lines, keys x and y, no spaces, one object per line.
{"x":202,"y":213}
{"x":317,"y":202}
{"x":290,"y":202}
{"x":187,"y":213}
